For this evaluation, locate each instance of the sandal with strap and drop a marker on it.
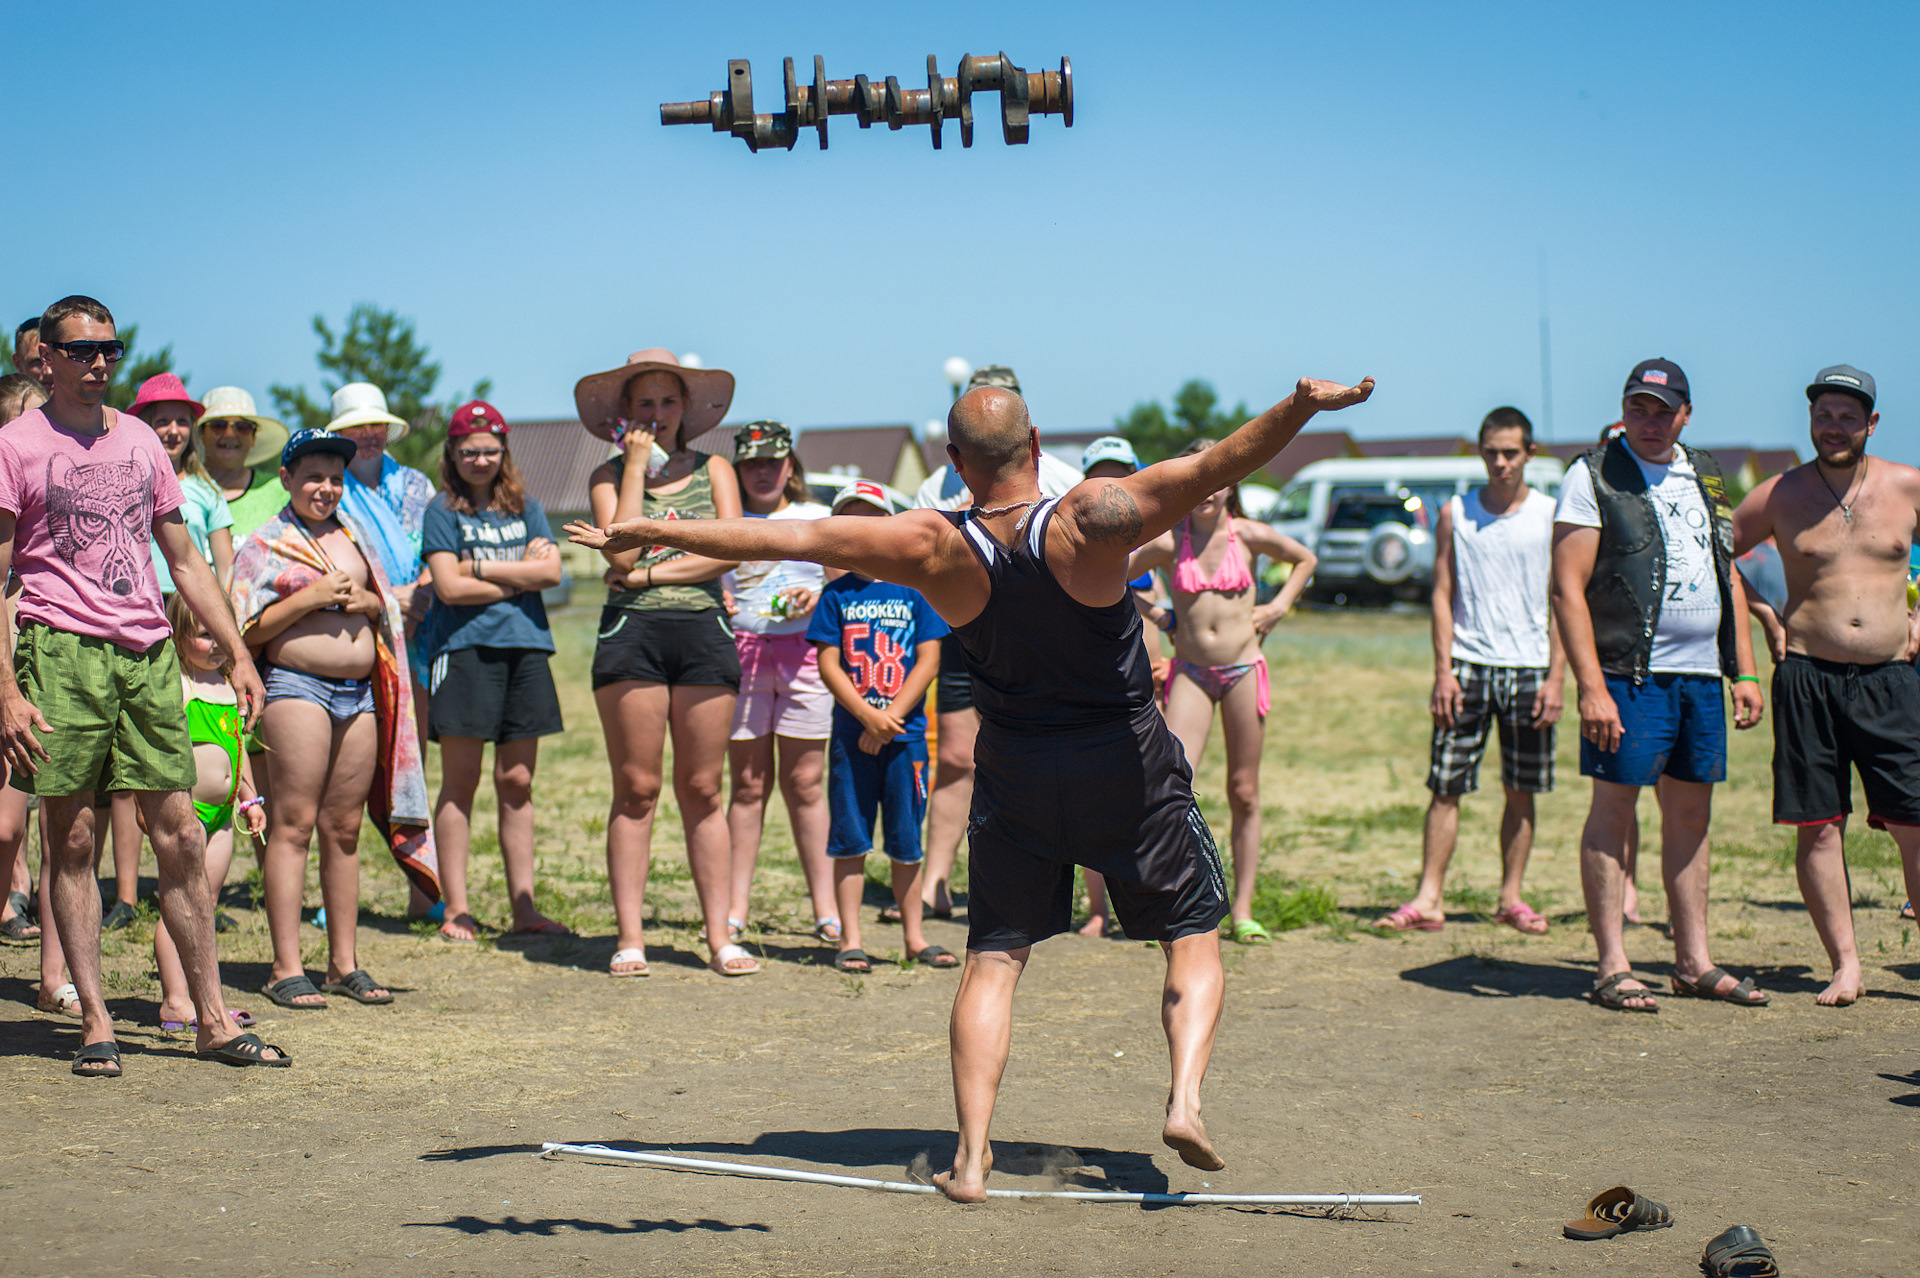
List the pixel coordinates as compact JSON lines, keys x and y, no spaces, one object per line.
{"x":65,"y":1000}
{"x":104,"y":1055}
{"x":1618,"y":1211}
{"x":1705,"y":985}
{"x":1607,"y":993}
{"x":282,"y":993}
{"x":827,"y":930}
{"x":1249,"y":932}
{"x":1523,"y":918}
{"x":1407,"y":919}
{"x":853,"y":962}
{"x":637,"y":957}
{"x":247,"y":1049}
{"x":727,"y":956}
{"x":1739,"y":1253}
{"x":358,"y":986}
{"x":937,"y":956}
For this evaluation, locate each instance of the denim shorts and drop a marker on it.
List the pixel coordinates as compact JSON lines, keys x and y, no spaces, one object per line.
{"x":891,"y":785}
{"x":342,"y":699}
{"x":1674,"y":725}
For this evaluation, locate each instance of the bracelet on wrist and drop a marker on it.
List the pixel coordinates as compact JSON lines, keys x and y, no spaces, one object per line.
{"x":244,"y":805}
{"x":1746,"y":678}
{"x":477,"y":574}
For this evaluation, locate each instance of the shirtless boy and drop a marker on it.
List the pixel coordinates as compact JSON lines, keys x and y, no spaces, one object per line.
{"x":319,"y":729}
{"x":1847,"y":695}
{"x":1071,"y":741}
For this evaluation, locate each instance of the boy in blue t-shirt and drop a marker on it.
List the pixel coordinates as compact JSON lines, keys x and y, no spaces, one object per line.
{"x":879,"y":648}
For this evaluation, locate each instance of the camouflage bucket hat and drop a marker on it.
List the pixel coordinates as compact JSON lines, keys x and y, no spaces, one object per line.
{"x":995,"y":375}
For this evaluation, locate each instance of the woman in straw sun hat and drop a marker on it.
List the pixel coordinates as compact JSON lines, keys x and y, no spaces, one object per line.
{"x":233,"y":439}
{"x":666,"y":661}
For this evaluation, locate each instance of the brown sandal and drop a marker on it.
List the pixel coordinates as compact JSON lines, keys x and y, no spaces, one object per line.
{"x":1745,"y":994}
{"x":1618,"y":1211}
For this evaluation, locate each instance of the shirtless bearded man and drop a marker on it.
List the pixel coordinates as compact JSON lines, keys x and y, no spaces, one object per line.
{"x":1036,"y":588}
{"x":1847,"y":694}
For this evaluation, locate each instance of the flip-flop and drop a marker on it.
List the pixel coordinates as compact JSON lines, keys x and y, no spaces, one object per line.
{"x":1249,"y":932}
{"x":247,"y":1049}
{"x":1523,"y":918}
{"x":1407,"y":919}
{"x":107,"y":1054}
{"x":629,"y":956}
{"x":827,"y":930}
{"x":732,"y":954}
{"x":1618,"y":1211}
{"x":281,"y":993}
{"x":1745,"y":994}
{"x":358,"y":986}
{"x":545,"y":927}
{"x":1906,"y":911}
{"x":1607,"y":993}
{"x":937,"y":956}
{"x":458,"y":932}
{"x":241,"y":1020}
{"x":1739,"y":1253}
{"x":855,"y":962}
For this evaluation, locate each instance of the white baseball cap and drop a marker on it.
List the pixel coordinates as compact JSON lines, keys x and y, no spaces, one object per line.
{"x":890,"y":500}
{"x":1109,"y":448}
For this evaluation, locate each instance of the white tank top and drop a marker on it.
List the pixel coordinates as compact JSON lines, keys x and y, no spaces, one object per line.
{"x":1502,"y":567}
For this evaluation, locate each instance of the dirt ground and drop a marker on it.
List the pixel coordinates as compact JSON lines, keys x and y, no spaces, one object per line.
{"x":1464,"y":1066}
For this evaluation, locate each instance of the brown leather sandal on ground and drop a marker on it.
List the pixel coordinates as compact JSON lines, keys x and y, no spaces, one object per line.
{"x":1739,"y":1253}
{"x":1618,"y":1211}
{"x":1745,"y":994}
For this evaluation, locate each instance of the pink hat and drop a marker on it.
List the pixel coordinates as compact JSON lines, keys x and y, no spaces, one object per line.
{"x":165,"y":388}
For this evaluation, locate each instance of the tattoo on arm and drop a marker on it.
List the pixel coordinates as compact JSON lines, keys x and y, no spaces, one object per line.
{"x":1110,"y":515}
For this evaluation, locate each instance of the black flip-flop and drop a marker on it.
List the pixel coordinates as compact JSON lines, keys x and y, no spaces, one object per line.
{"x":108,"y":1052}
{"x":355,"y":985}
{"x":933,"y":955}
{"x":1739,"y":1253}
{"x":844,"y":962}
{"x":247,"y":1049}
{"x":282,"y":993}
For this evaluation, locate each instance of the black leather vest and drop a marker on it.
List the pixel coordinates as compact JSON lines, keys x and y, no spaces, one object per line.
{"x":1630,"y":569}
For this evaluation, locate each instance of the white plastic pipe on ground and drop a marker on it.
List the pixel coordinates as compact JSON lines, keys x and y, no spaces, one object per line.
{"x":603,"y":1154}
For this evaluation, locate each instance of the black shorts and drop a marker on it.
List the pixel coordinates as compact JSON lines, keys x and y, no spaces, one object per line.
{"x":955,"y":686}
{"x":1115,"y":799}
{"x":1830,"y":718}
{"x":666,"y":647}
{"x":492,"y":694}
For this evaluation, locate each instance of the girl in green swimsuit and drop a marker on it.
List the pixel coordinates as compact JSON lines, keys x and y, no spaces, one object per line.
{"x":224,"y":788}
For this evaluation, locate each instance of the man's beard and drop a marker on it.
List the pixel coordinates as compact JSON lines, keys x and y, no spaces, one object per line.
{"x":1848,"y":455}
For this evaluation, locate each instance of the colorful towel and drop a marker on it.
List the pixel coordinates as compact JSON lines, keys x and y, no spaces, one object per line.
{"x":280,"y":558}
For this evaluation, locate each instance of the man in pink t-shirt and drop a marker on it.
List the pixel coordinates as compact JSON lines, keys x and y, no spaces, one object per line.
{"x":97,"y":706}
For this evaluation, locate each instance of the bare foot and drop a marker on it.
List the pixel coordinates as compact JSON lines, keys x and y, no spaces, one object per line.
{"x":963,"y":1184}
{"x":1846,"y":987}
{"x":1630,"y":904}
{"x":1186,"y":1136}
{"x":1096,"y":925}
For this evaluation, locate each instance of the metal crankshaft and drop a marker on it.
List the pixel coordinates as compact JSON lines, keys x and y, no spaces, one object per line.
{"x":1023,"y":95}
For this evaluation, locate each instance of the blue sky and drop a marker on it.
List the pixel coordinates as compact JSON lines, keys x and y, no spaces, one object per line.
{"x":1249,"y":193}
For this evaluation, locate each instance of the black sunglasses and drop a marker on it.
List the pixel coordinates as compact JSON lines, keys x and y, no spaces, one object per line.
{"x":223,"y":425}
{"x":87,"y":352}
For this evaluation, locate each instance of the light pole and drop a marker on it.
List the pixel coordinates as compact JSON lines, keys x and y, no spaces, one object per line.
{"x":957,"y":371}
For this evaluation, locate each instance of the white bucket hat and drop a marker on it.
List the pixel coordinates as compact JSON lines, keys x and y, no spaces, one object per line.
{"x":363,"y":404}
{"x":224,"y":403}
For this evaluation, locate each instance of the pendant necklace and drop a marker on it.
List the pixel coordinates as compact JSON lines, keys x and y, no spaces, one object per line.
{"x":1846,"y":507}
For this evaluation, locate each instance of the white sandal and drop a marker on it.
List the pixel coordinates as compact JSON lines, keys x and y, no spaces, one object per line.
{"x":729,"y":953}
{"x":66,"y":1001}
{"x":629,"y":956}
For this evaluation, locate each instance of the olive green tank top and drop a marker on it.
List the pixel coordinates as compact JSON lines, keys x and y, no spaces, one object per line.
{"x":695,"y":501}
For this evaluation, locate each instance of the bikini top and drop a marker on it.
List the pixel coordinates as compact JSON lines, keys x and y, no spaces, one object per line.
{"x":211,"y":723}
{"x":1233,"y":576}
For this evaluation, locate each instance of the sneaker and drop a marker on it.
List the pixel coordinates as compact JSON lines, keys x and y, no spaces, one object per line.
{"x":118,"y":917}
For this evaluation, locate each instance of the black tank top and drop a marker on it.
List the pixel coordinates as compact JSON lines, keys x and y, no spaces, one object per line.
{"x":1039,"y":658}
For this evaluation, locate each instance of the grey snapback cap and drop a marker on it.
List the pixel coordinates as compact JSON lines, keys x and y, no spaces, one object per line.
{"x":1844,"y":378}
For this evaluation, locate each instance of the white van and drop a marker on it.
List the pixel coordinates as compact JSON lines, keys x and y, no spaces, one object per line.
{"x":1302,"y":509}
{"x":1383,"y":547}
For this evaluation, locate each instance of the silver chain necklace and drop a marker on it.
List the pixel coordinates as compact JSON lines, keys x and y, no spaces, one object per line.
{"x":1839,"y":499}
{"x":988,"y":512}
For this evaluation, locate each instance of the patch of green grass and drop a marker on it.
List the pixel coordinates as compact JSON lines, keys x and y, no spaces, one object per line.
{"x":1466,"y":896}
{"x":1394,"y":818}
{"x":1283,"y":905}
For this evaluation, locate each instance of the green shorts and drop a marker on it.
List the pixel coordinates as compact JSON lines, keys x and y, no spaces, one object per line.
{"x":117,"y":716}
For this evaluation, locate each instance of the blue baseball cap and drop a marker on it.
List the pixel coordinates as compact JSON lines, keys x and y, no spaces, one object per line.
{"x":306,"y":442}
{"x":1109,"y":448}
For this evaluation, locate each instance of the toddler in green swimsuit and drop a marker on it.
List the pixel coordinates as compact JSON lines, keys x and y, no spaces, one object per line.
{"x":222,"y":789}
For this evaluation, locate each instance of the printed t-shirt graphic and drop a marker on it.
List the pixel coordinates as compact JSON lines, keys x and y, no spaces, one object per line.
{"x":875,"y":624}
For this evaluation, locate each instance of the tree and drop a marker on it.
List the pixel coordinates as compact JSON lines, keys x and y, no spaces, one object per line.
{"x":380,"y":347}
{"x":1157,"y":436}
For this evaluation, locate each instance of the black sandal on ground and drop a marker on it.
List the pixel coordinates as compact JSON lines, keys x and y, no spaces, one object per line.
{"x":937,"y":956}
{"x":855,"y":962}
{"x":106,"y":1054}
{"x":247,"y":1049}
{"x":1739,"y":1253}
{"x":1607,"y":993}
{"x":356,"y":986}
{"x":1745,"y":994}
{"x":281,"y":993}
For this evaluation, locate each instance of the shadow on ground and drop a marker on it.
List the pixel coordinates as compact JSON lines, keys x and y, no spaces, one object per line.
{"x":1485,"y":977}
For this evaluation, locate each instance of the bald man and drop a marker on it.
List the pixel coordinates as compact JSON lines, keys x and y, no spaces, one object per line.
{"x":1076,"y":766}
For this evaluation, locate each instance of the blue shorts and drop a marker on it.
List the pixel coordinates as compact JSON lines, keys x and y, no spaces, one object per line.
{"x":893,"y":783}
{"x":342,"y":699}
{"x":1675,"y":725}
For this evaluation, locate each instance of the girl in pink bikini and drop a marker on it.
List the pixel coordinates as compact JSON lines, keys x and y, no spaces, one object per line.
{"x":1217,"y":631}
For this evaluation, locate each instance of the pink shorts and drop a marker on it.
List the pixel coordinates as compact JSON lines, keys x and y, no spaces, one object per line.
{"x":780,"y":689}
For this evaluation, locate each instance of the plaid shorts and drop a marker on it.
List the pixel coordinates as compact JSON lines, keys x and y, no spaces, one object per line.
{"x":1490,"y":695}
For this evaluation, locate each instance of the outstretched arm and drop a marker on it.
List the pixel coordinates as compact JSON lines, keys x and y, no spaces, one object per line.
{"x":1105,"y":519}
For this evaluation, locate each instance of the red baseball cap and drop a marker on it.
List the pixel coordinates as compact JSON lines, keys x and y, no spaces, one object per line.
{"x":476,"y":417}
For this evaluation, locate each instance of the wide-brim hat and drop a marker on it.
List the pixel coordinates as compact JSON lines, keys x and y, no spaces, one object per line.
{"x":364,"y":404}
{"x":164,"y":388}
{"x":709,"y":392}
{"x":227,"y":402}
